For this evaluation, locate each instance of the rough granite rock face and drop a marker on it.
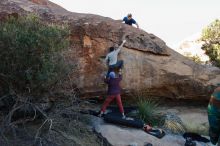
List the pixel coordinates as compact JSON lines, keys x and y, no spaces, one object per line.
{"x":149,"y":63}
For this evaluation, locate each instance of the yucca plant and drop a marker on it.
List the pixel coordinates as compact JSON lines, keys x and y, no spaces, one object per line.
{"x":148,"y":111}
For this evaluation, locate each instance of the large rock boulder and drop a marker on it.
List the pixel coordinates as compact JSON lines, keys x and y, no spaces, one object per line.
{"x":149,"y":63}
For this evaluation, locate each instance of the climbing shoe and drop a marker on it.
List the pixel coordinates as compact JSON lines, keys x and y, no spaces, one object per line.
{"x":159,"y":133}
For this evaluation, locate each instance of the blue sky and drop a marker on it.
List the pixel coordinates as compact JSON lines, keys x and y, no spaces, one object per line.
{"x":171,"y":20}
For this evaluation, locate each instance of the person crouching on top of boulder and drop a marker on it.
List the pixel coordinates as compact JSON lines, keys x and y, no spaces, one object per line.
{"x":114,"y":91}
{"x":112,"y":59}
{"x":129,"y":20}
{"x":214,"y":116}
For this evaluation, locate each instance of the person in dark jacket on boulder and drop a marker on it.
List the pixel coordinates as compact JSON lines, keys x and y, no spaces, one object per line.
{"x":129,"y":20}
{"x":114,"y":92}
{"x":214,"y":116}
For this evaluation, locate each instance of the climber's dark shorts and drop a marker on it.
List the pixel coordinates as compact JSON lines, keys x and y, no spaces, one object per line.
{"x":118,"y":65}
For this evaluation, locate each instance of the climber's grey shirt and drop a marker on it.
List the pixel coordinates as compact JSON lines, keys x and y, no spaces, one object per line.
{"x":113,"y":56}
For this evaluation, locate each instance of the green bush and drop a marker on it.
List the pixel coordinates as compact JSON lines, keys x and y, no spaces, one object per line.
{"x":211,"y":37}
{"x":148,"y":111}
{"x":31,"y":53}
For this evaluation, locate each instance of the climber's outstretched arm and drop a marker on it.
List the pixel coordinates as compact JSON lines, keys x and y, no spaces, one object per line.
{"x":119,"y":48}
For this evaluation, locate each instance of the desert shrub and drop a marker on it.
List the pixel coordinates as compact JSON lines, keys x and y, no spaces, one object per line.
{"x":196,"y":128}
{"x":211,"y":37}
{"x":173,"y":124}
{"x":194,"y":58}
{"x":31,"y":53}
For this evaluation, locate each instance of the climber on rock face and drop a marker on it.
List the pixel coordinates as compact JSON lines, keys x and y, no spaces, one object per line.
{"x":129,"y":20}
{"x":112,"y":58}
{"x":214,"y":116}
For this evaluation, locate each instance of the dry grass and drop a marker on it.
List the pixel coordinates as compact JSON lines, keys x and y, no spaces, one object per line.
{"x":200,"y":129}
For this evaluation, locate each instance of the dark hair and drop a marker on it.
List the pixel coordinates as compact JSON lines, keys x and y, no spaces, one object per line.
{"x":111,"y":49}
{"x":129,"y":15}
